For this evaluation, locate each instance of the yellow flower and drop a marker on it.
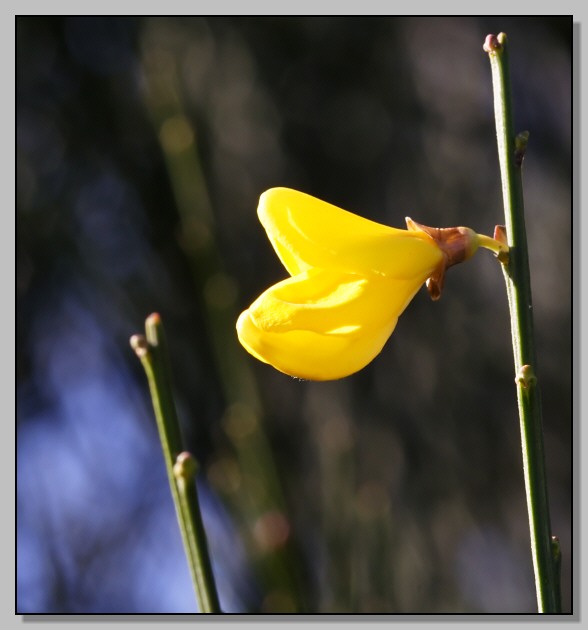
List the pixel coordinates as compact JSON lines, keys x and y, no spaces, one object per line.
{"x":351,"y":278}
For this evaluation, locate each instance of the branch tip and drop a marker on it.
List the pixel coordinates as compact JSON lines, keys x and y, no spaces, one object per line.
{"x":139,"y":345}
{"x":492,"y":44}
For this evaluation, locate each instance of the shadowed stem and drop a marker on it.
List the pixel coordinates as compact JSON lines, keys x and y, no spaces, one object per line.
{"x":511,"y":151}
{"x":181,"y":466}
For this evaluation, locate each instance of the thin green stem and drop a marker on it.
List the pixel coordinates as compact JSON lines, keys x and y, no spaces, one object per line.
{"x":494,"y":245}
{"x":185,"y":473}
{"x":511,"y":152}
{"x":181,"y":468}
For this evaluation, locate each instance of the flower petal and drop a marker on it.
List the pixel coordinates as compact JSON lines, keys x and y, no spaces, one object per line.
{"x":307,"y":232}
{"x":309,"y":355}
{"x":324,"y":324}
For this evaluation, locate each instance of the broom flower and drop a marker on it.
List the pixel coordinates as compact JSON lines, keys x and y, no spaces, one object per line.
{"x":350,"y":280}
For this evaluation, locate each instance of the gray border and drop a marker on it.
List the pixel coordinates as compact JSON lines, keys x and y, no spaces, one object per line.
{"x":579,"y":271}
{"x":273,"y":618}
{"x":579,"y":237}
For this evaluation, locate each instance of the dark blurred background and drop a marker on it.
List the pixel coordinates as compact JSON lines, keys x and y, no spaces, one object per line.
{"x":143,"y":145}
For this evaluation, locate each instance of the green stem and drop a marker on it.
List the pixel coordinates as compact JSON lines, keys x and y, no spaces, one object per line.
{"x":185,"y":473}
{"x":181,"y":468}
{"x":511,"y":152}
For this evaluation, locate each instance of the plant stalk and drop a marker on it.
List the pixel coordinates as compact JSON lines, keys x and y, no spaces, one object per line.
{"x":511,"y":151}
{"x":180,"y":466}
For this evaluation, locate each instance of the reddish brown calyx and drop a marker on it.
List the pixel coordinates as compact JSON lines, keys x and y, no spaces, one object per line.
{"x":456,"y":244}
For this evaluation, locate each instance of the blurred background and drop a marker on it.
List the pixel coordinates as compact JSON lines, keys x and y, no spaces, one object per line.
{"x":143,"y":145}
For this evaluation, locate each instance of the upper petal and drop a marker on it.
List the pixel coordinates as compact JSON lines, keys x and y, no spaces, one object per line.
{"x":307,"y":232}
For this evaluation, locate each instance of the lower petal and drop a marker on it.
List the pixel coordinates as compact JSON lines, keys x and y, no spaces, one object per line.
{"x":327,"y":301}
{"x":310,"y":355}
{"x":324,"y":324}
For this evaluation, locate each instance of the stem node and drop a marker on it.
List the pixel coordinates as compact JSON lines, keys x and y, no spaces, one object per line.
{"x":521,"y":142}
{"x":526,"y":377}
